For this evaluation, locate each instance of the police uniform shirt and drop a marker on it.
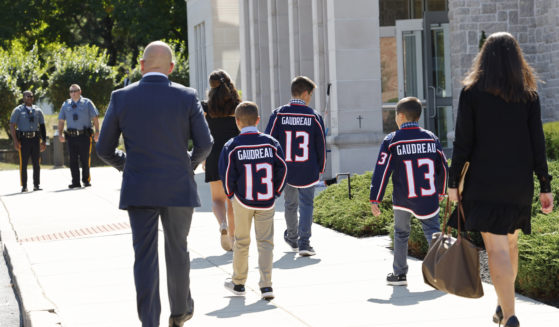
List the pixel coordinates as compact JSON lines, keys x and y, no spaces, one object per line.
{"x":78,"y":115}
{"x":27,"y":119}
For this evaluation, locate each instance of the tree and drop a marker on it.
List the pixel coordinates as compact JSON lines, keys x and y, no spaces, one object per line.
{"x":87,"y":67}
{"x":9,"y":93}
{"x":121,"y":27}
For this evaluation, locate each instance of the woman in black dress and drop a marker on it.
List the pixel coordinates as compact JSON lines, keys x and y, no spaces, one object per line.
{"x":499,"y":131}
{"x":223,"y":98}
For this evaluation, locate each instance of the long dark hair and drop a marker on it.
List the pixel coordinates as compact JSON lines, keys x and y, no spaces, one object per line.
{"x":223,"y":97}
{"x":500,"y":69}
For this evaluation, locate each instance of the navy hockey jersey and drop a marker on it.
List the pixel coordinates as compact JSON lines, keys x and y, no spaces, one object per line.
{"x":252,"y":168}
{"x":300,"y":131}
{"x":418,"y":166}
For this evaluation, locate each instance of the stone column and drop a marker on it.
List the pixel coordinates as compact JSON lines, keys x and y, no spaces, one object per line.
{"x":255,"y":57}
{"x":278,"y":43}
{"x":354,"y":70}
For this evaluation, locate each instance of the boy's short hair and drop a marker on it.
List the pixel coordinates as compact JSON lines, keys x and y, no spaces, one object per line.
{"x":301,"y":84}
{"x":411,"y":108}
{"x":247,"y":113}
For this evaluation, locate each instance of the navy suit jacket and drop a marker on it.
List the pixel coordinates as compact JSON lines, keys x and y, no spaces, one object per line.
{"x":156,"y":118}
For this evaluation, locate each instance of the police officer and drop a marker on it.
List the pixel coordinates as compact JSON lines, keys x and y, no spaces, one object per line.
{"x":29,"y":138}
{"x":78,"y":112}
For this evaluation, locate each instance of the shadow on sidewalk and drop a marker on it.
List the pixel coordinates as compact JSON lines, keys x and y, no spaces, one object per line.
{"x":401,"y":296}
{"x":237,"y":307}
{"x":212,"y":261}
{"x":291,"y":260}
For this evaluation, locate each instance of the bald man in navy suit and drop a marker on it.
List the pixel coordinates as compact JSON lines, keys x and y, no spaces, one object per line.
{"x":157,"y":118}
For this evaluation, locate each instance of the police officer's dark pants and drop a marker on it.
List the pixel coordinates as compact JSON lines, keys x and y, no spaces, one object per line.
{"x":176,"y":225}
{"x":30,"y":147}
{"x":79,"y":146}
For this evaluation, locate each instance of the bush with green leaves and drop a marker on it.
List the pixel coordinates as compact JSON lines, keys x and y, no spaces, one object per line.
{"x":86,"y":66}
{"x":27,"y":68}
{"x":538,"y":274}
{"x":9,"y":94}
{"x":551,"y":132}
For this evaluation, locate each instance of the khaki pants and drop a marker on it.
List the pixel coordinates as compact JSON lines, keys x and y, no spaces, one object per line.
{"x":264,"y":230}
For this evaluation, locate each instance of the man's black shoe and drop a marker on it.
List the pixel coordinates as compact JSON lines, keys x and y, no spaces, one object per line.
{"x":23,"y":189}
{"x":86,"y":184}
{"x":180,"y":320}
{"x":37,"y":188}
{"x":74,"y":186}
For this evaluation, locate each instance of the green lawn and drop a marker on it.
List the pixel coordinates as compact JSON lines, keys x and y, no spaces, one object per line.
{"x":10,"y":166}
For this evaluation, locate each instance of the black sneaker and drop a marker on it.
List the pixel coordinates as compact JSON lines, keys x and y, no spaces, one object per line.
{"x":37,"y":188}
{"x":234,"y":288}
{"x":292,"y":244}
{"x":23,"y":189}
{"x":86,"y":184}
{"x":306,"y":251}
{"x":267,"y":293}
{"x":396,"y":280}
{"x":74,"y":186}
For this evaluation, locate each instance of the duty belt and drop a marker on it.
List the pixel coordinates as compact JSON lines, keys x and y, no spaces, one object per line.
{"x":28,"y":135}
{"x":76,"y":132}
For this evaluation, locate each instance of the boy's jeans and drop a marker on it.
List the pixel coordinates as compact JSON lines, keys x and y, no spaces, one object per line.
{"x":402,"y":227}
{"x":299,"y":229}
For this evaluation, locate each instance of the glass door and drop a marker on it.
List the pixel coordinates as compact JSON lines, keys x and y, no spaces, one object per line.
{"x":409,"y":47}
{"x":439,"y":114}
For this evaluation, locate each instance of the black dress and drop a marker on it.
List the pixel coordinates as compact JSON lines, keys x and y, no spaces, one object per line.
{"x":222,"y":129}
{"x":505,"y":145}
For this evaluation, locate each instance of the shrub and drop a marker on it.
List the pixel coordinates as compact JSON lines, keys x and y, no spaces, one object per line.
{"x":551,"y":132}
{"x":538,"y":268}
{"x":9,"y":94}
{"x":87,"y":67}
{"x":538,"y":274}
{"x":335,"y":210}
{"x":28,"y":69}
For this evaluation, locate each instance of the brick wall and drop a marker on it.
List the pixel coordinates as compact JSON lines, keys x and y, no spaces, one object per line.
{"x":534,"y":23}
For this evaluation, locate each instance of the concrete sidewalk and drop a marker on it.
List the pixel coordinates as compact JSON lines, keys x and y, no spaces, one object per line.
{"x":72,"y":257}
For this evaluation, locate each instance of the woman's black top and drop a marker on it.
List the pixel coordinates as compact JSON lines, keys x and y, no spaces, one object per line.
{"x":505,"y":145}
{"x":222,"y":129}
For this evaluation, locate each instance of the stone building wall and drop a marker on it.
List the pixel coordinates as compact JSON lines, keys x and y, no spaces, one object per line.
{"x":534,"y":23}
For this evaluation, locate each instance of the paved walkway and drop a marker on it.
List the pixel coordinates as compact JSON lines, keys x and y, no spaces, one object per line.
{"x":72,"y":257}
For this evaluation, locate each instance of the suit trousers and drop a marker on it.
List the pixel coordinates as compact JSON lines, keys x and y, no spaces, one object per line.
{"x":176,"y":225}
{"x":80,"y":146}
{"x":264,"y":230}
{"x":30,"y":147}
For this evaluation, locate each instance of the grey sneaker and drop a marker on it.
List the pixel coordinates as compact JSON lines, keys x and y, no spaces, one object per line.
{"x":234,"y":288}
{"x":306,"y":251}
{"x":293,"y":245}
{"x":396,"y":280}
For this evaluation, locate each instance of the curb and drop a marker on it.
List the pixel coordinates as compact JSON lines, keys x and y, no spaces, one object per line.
{"x":36,"y":309}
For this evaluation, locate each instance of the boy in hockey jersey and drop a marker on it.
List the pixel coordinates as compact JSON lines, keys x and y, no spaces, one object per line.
{"x":300,"y":131}
{"x":415,"y":158}
{"x":253,"y":172}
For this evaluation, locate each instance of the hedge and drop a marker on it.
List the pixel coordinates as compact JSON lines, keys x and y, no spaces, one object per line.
{"x":538,"y":274}
{"x":551,"y":132}
{"x":86,"y":66}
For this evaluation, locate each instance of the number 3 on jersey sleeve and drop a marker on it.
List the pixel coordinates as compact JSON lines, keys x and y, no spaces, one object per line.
{"x":303,"y":145}
{"x":382,"y":160}
{"x":266,"y":180}
{"x":429,"y":176}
